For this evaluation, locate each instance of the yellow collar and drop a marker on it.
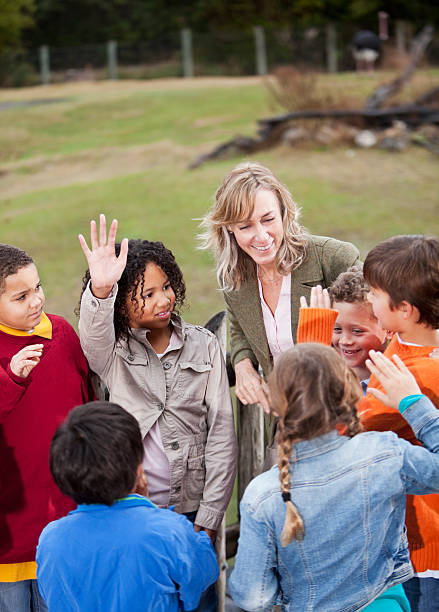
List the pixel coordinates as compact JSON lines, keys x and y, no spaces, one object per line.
{"x":43,"y":329}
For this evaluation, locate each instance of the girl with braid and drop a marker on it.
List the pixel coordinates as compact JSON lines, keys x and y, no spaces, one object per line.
{"x":324,"y":530}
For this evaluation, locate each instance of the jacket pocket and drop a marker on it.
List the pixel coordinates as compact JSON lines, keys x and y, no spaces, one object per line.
{"x":192,"y":379}
{"x":132,"y":368}
{"x":195,"y":477}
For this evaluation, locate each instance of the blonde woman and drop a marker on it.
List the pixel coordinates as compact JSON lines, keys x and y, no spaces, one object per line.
{"x":265,"y":262}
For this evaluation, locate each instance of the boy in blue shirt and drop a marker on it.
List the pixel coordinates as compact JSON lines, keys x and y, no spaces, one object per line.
{"x":117,"y":551}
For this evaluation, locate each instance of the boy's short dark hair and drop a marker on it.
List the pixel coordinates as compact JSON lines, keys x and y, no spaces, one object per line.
{"x":11,"y":260}
{"x":95,"y":453}
{"x":407,"y":268}
{"x":350,"y":286}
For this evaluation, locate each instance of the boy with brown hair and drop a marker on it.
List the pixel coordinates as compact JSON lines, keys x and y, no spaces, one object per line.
{"x":356,"y":330}
{"x":43,"y":374}
{"x":403,"y":275}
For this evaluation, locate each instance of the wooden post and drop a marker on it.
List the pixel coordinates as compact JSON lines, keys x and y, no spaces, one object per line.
{"x":112,"y":59}
{"x":44,"y":64}
{"x":331,"y":48}
{"x":186,"y":50}
{"x":401,"y":37}
{"x":251,"y":447}
{"x":217,"y":325}
{"x":261,"y":51}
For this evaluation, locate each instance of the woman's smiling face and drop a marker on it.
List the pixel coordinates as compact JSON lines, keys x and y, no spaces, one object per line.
{"x":261,"y":235}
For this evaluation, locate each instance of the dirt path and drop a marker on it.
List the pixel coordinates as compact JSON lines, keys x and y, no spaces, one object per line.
{"x":106,"y":88}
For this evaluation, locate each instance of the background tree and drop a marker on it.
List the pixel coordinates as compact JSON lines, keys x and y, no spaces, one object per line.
{"x":15,"y":16}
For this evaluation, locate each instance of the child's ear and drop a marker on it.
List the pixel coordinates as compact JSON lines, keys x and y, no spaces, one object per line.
{"x":407,"y":310}
{"x":141,"y":484}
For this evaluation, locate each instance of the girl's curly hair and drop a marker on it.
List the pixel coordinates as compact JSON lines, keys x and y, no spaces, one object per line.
{"x":141,"y":253}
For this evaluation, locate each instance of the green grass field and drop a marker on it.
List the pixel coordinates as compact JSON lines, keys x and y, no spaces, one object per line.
{"x":123,"y":149}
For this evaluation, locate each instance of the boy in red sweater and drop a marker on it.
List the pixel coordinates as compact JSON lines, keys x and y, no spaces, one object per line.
{"x":43,"y":375}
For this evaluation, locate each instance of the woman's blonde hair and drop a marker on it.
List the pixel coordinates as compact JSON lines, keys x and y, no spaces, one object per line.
{"x":312,"y":390}
{"x":234,"y":202}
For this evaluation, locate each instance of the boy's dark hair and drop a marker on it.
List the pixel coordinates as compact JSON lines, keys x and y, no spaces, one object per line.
{"x":350,"y":286}
{"x":407,"y":268}
{"x":140,"y":253}
{"x":95,"y":453}
{"x":11,"y":260}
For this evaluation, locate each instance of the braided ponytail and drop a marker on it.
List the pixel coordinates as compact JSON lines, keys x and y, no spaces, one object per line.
{"x":313,"y":391}
{"x":293,"y":526}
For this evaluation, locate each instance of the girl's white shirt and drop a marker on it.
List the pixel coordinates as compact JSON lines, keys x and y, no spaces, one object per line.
{"x":278,"y":326}
{"x":155,"y":461}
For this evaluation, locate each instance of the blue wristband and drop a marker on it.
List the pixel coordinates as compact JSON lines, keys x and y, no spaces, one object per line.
{"x":408,"y":401}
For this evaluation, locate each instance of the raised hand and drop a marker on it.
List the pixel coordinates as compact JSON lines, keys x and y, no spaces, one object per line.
{"x":397,"y":380}
{"x":319,"y":298}
{"x":23,"y":362}
{"x":105,"y":268}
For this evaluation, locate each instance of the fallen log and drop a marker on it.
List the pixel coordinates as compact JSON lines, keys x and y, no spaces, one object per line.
{"x":411,"y":114}
{"x":271,"y":128}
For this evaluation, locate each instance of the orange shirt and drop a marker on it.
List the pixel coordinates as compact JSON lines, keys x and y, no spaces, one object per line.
{"x":422,"y":514}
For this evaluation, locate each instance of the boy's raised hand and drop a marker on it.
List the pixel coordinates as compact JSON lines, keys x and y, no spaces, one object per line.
{"x":23,"y":362}
{"x":319,"y":298}
{"x":105,"y":267}
{"x":397,"y":380}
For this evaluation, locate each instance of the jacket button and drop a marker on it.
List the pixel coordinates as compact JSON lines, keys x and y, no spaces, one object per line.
{"x":175,"y":445}
{"x":130,"y":357}
{"x":160,"y":406}
{"x":166,"y":365}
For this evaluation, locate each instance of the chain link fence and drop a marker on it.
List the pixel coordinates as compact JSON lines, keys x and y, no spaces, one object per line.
{"x":186,"y":54}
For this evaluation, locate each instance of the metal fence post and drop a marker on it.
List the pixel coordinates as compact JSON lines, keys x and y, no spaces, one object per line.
{"x":331,"y":48}
{"x":261,"y":51}
{"x":112,"y":59}
{"x":186,"y":50}
{"x":44,"y":64}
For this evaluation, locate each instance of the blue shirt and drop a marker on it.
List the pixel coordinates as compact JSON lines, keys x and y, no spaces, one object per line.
{"x":131,"y":556}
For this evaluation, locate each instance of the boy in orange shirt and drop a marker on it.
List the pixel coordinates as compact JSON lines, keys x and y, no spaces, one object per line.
{"x":356,"y":330}
{"x":403,"y":275}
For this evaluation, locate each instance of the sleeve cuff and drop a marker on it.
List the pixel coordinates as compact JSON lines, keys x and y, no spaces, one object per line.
{"x":20,"y":380}
{"x":406,"y":402}
{"x":316,"y":325}
{"x":99,"y":303}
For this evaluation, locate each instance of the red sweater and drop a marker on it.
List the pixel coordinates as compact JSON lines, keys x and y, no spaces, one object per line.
{"x":30,"y":410}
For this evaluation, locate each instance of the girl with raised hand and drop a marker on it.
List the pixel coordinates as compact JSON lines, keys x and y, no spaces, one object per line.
{"x":325,"y":529}
{"x":170,"y":375}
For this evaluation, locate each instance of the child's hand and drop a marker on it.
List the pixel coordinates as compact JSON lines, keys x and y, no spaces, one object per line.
{"x":210,"y":532}
{"x":397,"y":380}
{"x":25,"y":360}
{"x":105,"y":268}
{"x":319,"y":298}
